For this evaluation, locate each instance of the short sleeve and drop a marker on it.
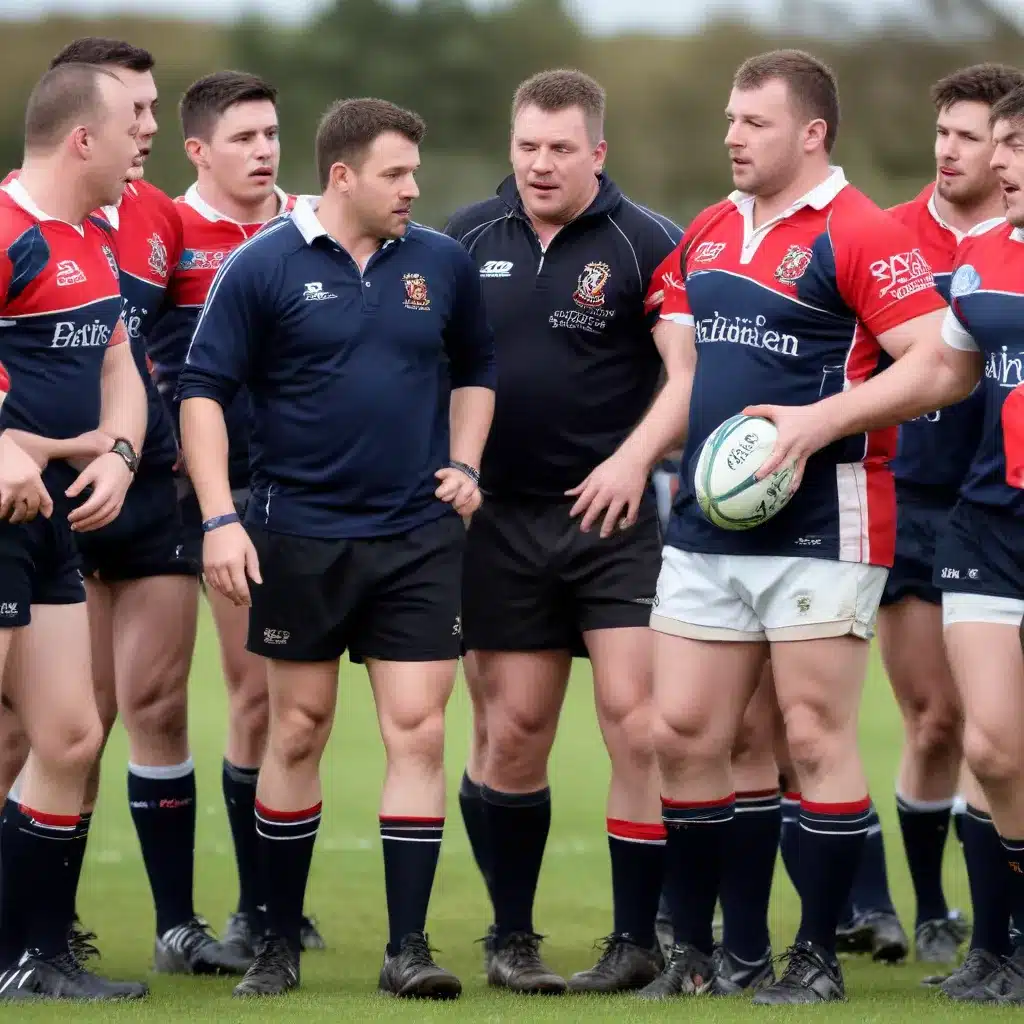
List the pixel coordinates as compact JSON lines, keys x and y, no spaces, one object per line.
{"x":661,"y":281}
{"x":1013,"y":436}
{"x":955,"y":335}
{"x":880,"y":271}
{"x":469,"y":342}
{"x":660,"y":242}
{"x":674,"y":304}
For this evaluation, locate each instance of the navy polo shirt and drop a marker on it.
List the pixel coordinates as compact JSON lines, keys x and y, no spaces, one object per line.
{"x":350,"y":373}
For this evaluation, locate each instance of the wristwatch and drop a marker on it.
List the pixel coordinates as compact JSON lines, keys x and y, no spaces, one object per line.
{"x":123,"y":447}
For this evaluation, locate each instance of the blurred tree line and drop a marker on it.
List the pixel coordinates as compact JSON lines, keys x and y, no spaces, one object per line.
{"x":458,"y":67}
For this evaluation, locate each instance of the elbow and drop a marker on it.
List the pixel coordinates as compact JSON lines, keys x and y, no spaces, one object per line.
{"x":957,"y":378}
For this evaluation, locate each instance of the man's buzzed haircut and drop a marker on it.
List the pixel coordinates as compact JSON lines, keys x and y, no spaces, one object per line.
{"x":562,"y":89}
{"x":101,"y":50}
{"x":66,"y":96}
{"x":209,"y":97}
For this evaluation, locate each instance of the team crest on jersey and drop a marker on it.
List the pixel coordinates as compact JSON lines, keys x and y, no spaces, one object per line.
{"x":157,"y":256}
{"x":965,"y":280}
{"x":416,"y":296}
{"x":590,"y":286}
{"x":111,"y":261}
{"x":793,"y":264}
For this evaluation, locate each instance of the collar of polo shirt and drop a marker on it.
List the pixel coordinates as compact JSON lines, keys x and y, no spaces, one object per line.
{"x":310,"y":227}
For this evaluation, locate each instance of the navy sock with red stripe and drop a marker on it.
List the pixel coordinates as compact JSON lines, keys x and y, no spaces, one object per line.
{"x":411,"y":849}
{"x":638,"y":861}
{"x":747,"y":874}
{"x":870,"y":889}
{"x":698,"y":836}
{"x":789,"y":838}
{"x":38,"y":883}
{"x":831,"y":841}
{"x":286,"y":840}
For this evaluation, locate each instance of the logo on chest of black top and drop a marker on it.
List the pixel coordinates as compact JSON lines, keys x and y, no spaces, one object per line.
{"x":590,"y":285}
{"x":793,"y":264}
{"x":416,"y":294}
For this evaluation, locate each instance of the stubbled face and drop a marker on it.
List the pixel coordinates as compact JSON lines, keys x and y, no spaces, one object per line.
{"x":1008,"y":164}
{"x":381,"y":185}
{"x":963,"y":154}
{"x":142,"y":87}
{"x":243,"y":152}
{"x":555,"y":162}
{"x":110,"y":143}
{"x":767,"y":138}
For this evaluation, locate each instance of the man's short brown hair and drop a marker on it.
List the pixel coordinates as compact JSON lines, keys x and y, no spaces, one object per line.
{"x":811,"y":83}
{"x":350,"y":127}
{"x":206,"y":99}
{"x":979,"y":83}
{"x":101,"y":50}
{"x":66,"y":96}
{"x":1009,"y":108}
{"x":553,"y":91}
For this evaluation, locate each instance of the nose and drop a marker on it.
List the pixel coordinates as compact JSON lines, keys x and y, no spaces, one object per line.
{"x":542,"y":162}
{"x":410,"y":190}
{"x":733,"y":136}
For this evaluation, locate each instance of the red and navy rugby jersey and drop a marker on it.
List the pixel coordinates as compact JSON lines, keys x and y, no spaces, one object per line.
{"x":936,"y":449}
{"x":148,"y":229}
{"x":787,"y":314}
{"x":986,"y":313}
{"x":208,"y":238}
{"x":61,"y":308}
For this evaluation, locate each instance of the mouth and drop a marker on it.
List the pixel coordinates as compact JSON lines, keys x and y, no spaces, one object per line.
{"x":1009,"y":189}
{"x":262,"y":174}
{"x":949,"y":172}
{"x":543,"y":187}
{"x":403,"y":212}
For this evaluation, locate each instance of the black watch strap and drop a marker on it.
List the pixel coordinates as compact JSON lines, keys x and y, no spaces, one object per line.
{"x":123,"y":447}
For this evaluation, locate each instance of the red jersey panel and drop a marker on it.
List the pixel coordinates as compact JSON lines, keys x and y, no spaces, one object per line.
{"x":61,"y":307}
{"x":787,"y":313}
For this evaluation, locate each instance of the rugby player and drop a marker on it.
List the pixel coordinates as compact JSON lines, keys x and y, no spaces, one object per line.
{"x":23,"y":495}
{"x":77,"y":397}
{"x":360,"y":336}
{"x":229,"y":122}
{"x":935,"y":451}
{"x":563,"y":556}
{"x":826,"y":289}
{"x":978,"y":561}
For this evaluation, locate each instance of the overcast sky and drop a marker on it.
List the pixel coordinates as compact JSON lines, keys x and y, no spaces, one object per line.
{"x":600,"y":15}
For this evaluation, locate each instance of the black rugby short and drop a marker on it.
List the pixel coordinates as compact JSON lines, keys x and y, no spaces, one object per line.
{"x":921,"y":517}
{"x":39,"y":564}
{"x":533,"y":581}
{"x":395,"y":598}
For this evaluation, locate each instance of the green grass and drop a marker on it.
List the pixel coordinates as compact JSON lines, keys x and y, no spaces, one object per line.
{"x":346,"y":888}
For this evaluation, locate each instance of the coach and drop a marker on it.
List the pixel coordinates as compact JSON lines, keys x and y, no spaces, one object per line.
{"x":566,"y":550}
{"x":360,"y":335}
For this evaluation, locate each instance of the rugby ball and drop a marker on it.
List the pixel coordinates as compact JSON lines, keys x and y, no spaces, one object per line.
{"x":728,"y":493}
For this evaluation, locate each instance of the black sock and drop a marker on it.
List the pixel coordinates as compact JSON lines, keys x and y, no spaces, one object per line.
{"x":637,"y":852}
{"x":239,"y":786}
{"x":986,"y":875}
{"x":286,"y":840}
{"x":1015,"y":885}
{"x":38,"y":895}
{"x":411,"y":848}
{"x":517,"y":827}
{"x":698,"y":836}
{"x":747,"y":873}
{"x":870,"y":890}
{"x":831,"y":842}
{"x":76,"y":853}
{"x":163,"y":806}
{"x":789,"y":837}
{"x":925,"y":827}
{"x":474,"y":817}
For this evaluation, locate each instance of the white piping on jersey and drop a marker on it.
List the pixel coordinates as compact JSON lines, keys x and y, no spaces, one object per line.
{"x":67,"y":309}
{"x":656,"y":218}
{"x":762,"y":285}
{"x":481,"y":230}
{"x":631,"y":249}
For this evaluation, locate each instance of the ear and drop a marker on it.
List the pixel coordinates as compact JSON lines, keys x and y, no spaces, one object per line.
{"x":81,"y":141}
{"x":341,"y":177}
{"x":814,"y":135}
{"x":195,"y":150}
{"x":600,"y":154}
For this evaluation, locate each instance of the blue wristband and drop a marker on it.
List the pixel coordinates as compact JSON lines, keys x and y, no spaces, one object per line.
{"x":217,"y":521}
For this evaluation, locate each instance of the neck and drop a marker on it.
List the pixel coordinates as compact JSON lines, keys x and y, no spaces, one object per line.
{"x":226,"y":205}
{"x":766,"y":208}
{"x":344,"y":227}
{"x":56,"y":193}
{"x":546,"y":230}
{"x":963,"y":217}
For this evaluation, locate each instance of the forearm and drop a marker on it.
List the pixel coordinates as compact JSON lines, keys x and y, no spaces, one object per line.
{"x":470,"y":414}
{"x":123,"y":410}
{"x":663,"y":428}
{"x":920,"y":381}
{"x":204,"y":442}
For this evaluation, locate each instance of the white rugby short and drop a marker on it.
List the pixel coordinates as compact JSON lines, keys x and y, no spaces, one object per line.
{"x":765,"y":597}
{"x":999,"y":611}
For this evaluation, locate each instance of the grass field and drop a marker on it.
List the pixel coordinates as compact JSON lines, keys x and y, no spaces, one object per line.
{"x":347,"y":894}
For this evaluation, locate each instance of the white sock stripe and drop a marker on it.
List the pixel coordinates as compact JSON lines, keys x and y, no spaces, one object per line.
{"x":834,"y":832}
{"x":980,"y":817}
{"x":412,"y":828}
{"x":162,"y":772}
{"x":266,"y":835}
{"x":436,"y":840}
{"x":290,"y":823}
{"x":912,"y":804}
{"x":642,"y":842}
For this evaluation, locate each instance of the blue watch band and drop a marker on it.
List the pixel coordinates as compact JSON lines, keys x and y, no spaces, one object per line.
{"x":216,"y":521}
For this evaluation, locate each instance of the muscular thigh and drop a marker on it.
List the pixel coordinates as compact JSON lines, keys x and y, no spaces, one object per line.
{"x":914,"y":654}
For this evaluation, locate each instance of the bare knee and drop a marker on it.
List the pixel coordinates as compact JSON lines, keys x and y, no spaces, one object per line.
{"x":298,"y":734}
{"x":690,"y":740}
{"x":992,"y":754}
{"x":415,"y":735}
{"x":817,"y":743}
{"x":249,"y":704}
{"x":627,"y":727}
{"x":71,"y":746}
{"x":934,"y":728}
{"x":158,"y":707}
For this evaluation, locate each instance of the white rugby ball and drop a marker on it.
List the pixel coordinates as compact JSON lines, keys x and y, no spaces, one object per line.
{"x":727,"y":491}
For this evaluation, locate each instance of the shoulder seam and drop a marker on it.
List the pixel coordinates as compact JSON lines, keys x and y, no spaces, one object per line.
{"x":632,"y":249}
{"x":657,"y":218}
